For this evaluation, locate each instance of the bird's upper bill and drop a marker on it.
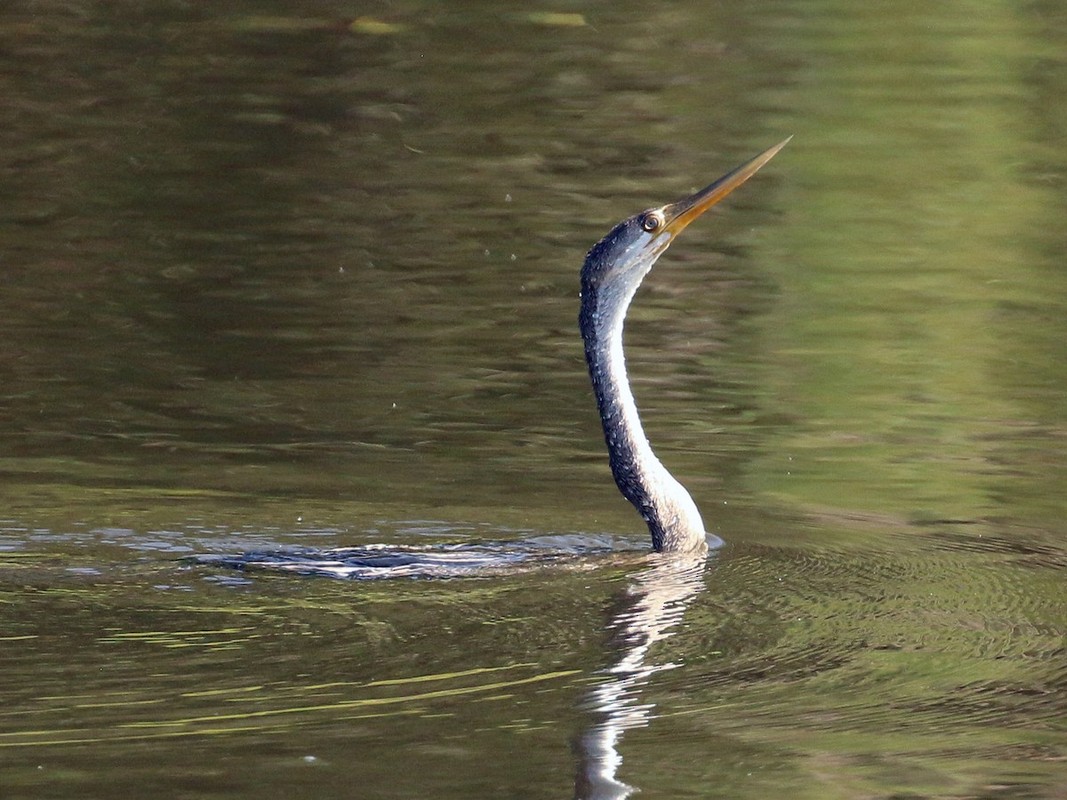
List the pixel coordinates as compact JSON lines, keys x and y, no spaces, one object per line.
{"x":677,"y":216}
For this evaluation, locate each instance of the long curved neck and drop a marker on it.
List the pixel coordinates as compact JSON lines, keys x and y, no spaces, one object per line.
{"x":667,"y":508}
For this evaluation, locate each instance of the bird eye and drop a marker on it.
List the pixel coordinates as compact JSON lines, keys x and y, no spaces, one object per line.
{"x":652,"y":221}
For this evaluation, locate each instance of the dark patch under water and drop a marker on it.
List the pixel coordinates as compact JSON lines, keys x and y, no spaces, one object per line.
{"x":451,"y":560}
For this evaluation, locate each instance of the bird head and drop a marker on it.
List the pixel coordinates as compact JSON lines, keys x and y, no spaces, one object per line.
{"x":628,"y":252}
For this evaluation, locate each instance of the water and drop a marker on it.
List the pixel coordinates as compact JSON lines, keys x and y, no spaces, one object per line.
{"x":281,"y":280}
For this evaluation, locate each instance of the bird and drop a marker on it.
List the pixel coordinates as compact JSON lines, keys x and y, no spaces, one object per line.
{"x":610,"y":276}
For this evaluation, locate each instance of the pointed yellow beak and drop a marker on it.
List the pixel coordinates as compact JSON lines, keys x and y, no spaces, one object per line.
{"x":678,"y":215}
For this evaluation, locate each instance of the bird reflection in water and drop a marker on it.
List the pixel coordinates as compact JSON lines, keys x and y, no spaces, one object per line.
{"x":654,"y":606}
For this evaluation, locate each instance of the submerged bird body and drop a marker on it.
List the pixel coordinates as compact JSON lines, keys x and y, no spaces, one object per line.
{"x":611,"y":275}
